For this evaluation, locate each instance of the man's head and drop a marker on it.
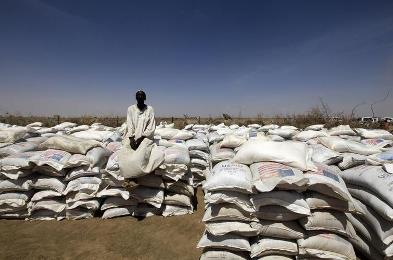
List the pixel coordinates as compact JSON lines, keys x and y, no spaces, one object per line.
{"x":140,"y":97}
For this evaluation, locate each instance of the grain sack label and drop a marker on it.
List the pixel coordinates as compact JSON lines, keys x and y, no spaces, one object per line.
{"x":327,"y":173}
{"x":374,"y":141}
{"x":272,"y":170}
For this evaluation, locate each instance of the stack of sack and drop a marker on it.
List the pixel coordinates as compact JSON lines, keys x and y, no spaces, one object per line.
{"x":77,"y":163}
{"x":281,"y":207}
{"x":15,"y":185}
{"x":143,"y":196}
{"x":17,"y":146}
{"x":115,"y":197}
{"x":179,"y":194}
{"x":371,"y":188}
{"x":198,"y":147}
{"x":228,"y":217}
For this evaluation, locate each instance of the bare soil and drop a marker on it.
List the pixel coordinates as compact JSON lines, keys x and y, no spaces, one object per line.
{"x":121,"y":238}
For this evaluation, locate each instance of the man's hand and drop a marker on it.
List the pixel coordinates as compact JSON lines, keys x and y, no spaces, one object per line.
{"x":133,"y":144}
{"x":139,"y":140}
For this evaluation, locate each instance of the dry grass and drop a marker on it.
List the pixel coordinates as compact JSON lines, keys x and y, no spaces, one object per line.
{"x":301,"y":120}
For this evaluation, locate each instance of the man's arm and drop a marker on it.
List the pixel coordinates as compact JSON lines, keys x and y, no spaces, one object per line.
{"x":130,"y":129}
{"x":151,"y":126}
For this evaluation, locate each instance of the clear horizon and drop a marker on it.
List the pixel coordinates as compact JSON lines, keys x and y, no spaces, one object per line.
{"x":198,"y":58}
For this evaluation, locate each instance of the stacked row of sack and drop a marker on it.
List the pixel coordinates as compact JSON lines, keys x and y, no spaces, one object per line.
{"x":179,"y":196}
{"x":371,"y":188}
{"x":18,"y":146}
{"x":59,"y":178}
{"x":198,"y":147}
{"x":272,"y":202}
{"x":141,"y":197}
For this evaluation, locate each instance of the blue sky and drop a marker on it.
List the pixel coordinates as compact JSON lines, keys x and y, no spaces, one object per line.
{"x":194,"y":57}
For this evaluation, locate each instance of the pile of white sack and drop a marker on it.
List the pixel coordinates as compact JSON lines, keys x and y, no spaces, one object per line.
{"x":372,"y":189}
{"x":198,"y":147}
{"x":48,"y":173}
{"x":281,"y":192}
{"x":271,"y":200}
{"x":179,"y":195}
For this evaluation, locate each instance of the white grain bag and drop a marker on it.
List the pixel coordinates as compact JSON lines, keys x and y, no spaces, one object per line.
{"x":219,"y":154}
{"x":229,"y":176}
{"x":197,"y":144}
{"x":18,"y":161}
{"x":329,"y":221}
{"x":268,"y":246}
{"x":365,"y":249}
{"x":18,"y":148}
{"x":89,"y":185}
{"x":351,"y":160}
{"x":199,"y":154}
{"x":177,"y":154}
{"x":98,"y":157}
{"x":317,"y":127}
{"x":290,"y":200}
{"x":177,"y":200}
{"x":327,"y":180}
{"x":22,"y":184}
{"x":48,"y":183}
{"x":69,"y":144}
{"x":304,"y":136}
{"x":154,"y":197}
{"x":366,"y":231}
{"x":141,"y":162}
{"x":92,"y":134}
{"x":374,"y":133}
{"x":77,"y":160}
{"x":118,"y":212}
{"x":284,"y":133}
{"x":347,"y":146}
{"x":321,"y":154}
{"x":14,"y":201}
{"x":369,"y":199}
{"x":78,"y":172}
{"x":113,"y":192}
{"x":222,"y":228}
{"x":175,"y":210}
{"x":45,"y":194}
{"x":277,"y":213}
{"x":215,"y":254}
{"x":294,"y":154}
{"x":269,"y":175}
{"x":55,"y":205}
{"x":56,"y":159}
{"x":341,"y":130}
{"x":11,"y":135}
{"x":316,"y":200}
{"x":285,"y":230}
{"x":229,"y":241}
{"x":241,"y":200}
{"x":232,"y":141}
{"x":226,"y":212}
{"x":382,"y":227}
{"x":373,"y":178}
{"x":326,"y":245}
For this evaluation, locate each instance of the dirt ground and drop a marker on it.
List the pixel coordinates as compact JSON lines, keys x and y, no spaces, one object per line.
{"x":120,"y":238}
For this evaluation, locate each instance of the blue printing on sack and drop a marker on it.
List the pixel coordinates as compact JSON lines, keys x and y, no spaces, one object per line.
{"x":331,"y":175}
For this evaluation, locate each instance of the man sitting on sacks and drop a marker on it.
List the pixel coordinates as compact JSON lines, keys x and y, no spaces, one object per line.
{"x":139,"y":156}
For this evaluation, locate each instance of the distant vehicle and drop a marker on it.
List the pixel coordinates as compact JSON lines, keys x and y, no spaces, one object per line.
{"x":387,"y":119}
{"x":368,"y":119}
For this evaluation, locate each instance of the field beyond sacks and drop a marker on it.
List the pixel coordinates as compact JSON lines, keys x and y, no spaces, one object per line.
{"x":125,"y":238}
